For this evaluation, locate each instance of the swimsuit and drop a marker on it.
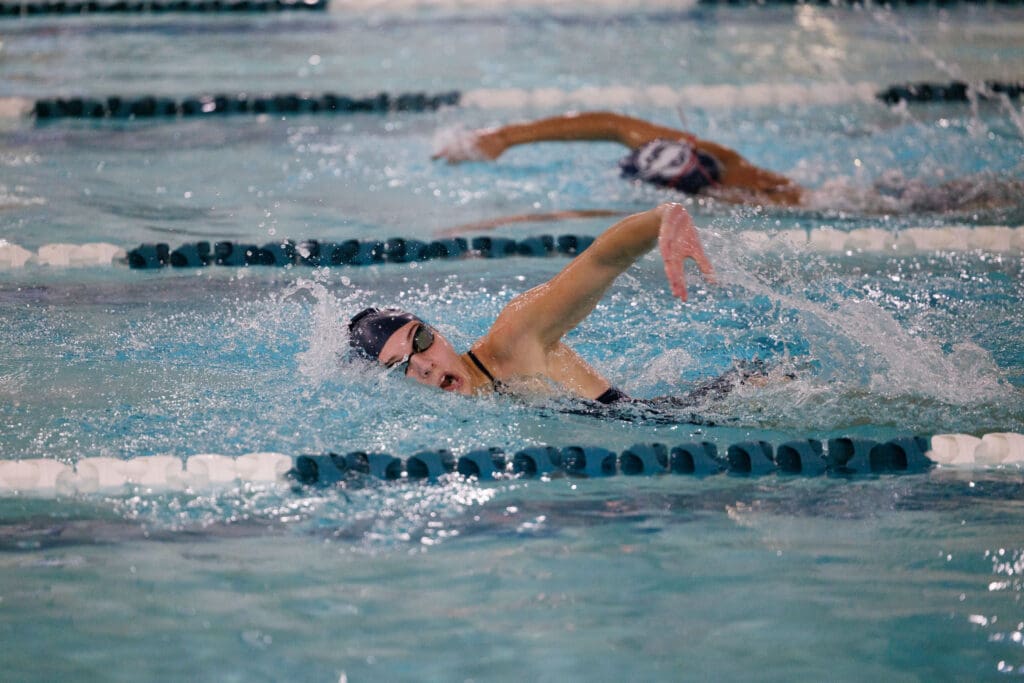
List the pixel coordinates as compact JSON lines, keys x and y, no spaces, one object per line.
{"x":617,"y":404}
{"x":674,"y":409}
{"x":611,"y":395}
{"x":498,"y":386}
{"x":672,"y":163}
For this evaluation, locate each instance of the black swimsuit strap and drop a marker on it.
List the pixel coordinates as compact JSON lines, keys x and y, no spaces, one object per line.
{"x":483,"y":369}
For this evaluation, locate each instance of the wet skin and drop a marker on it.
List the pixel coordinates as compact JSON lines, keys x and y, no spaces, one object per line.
{"x":524,"y":348}
{"x":438,"y":366}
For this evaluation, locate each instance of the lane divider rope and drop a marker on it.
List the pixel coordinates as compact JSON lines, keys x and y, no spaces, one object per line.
{"x":710,"y":96}
{"x":35,"y":8}
{"x":954,"y":91}
{"x":839,"y":458}
{"x":38,"y":8}
{"x":993,"y":238}
{"x":150,"y":106}
{"x":996,"y":238}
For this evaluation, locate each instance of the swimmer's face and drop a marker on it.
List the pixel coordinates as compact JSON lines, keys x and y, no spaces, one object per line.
{"x":425,"y":356}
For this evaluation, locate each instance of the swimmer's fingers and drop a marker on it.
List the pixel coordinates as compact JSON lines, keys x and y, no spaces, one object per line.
{"x":672,"y":254}
{"x":676,"y":278}
{"x":690,"y":247}
{"x":678,"y":240}
{"x":452,"y":156}
{"x":456,"y":144}
{"x":703,"y":262}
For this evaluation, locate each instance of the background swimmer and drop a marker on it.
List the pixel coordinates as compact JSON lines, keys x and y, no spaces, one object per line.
{"x":680,"y":160}
{"x":660,"y":155}
{"x":524,"y":352}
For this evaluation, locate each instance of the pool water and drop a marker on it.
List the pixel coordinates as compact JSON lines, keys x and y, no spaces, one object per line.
{"x":896,"y":577}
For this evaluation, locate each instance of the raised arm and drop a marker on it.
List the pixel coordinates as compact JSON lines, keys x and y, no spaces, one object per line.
{"x":490,"y":143}
{"x":547,"y":312}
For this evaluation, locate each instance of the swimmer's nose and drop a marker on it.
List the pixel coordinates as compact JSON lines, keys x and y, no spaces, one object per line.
{"x":420,"y":366}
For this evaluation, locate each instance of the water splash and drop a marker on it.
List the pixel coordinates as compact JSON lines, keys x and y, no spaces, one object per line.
{"x":328,"y":328}
{"x":892,"y":193}
{"x":886,"y":18}
{"x":867,"y":356}
{"x":17,"y":197}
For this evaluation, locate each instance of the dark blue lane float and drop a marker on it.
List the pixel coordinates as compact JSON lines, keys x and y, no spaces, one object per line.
{"x":150,"y":106}
{"x":861,"y":456}
{"x":840,"y":457}
{"x":483,"y":463}
{"x":348,"y":252}
{"x":36,"y":8}
{"x":954,"y":91}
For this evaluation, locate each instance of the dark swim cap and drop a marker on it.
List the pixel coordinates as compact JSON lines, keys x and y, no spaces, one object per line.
{"x":371,"y":328}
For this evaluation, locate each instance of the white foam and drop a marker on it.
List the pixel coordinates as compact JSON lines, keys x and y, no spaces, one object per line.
{"x":793,"y":239}
{"x":755,"y":241}
{"x":457,"y":143}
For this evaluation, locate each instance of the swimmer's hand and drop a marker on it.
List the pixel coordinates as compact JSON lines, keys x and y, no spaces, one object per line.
{"x":456,"y":144}
{"x":678,"y":240}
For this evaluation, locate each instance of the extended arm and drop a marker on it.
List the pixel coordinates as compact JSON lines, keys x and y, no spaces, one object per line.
{"x":490,"y":143}
{"x":547,"y":312}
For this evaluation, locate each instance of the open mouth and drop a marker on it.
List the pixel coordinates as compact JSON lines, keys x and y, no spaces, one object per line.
{"x":449,"y":382}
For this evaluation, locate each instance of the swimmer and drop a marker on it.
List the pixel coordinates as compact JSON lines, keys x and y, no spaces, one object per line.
{"x":523,"y":353}
{"x":659,"y":155}
{"x":676,"y":159}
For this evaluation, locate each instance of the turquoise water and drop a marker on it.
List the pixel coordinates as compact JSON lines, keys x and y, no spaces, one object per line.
{"x":912,"y":577}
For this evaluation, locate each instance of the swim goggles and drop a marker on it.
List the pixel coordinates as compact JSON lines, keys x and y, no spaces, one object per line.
{"x":422,"y":339}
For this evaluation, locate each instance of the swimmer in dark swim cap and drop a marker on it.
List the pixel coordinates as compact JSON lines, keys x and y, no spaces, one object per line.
{"x":523,"y":352}
{"x":658,"y":154}
{"x":679,"y":160}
